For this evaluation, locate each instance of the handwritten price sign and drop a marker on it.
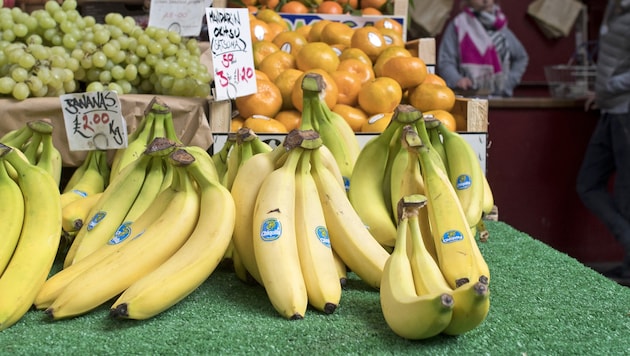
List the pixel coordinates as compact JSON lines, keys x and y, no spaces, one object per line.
{"x":232,"y":56}
{"x":94,"y":121}
{"x":181,"y":16}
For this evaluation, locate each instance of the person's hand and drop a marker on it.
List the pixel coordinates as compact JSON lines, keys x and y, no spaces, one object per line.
{"x":590,"y":103}
{"x":464,"y":83}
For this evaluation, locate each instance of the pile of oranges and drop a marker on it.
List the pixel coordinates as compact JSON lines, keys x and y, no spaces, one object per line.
{"x":367,"y":72}
{"x":336,"y":7}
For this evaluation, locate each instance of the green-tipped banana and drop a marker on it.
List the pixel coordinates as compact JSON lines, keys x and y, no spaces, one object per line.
{"x":86,"y":180}
{"x":12,"y":212}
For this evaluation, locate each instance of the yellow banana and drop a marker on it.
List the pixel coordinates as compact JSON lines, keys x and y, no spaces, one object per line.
{"x":488,"y":196}
{"x":438,"y":145}
{"x":244,"y":190}
{"x":349,"y":237}
{"x":454,"y":241}
{"x":465,"y":173}
{"x":233,"y":163}
{"x":141,"y":255}
{"x":50,"y":158}
{"x":57,"y":282}
{"x":33,"y":147}
{"x":408,"y":314}
{"x":191,"y":265}
{"x":275,"y":245}
{"x":471,"y":307}
{"x":17,"y":137}
{"x":12,"y":213}
{"x":75,"y":213}
{"x":342,"y":269}
{"x":318,"y":264}
{"x":136,"y":145}
{"x":220,"y":157}
{"x":90,"y":181}
{"x":39,"y":239}
{"x":406,"y":174}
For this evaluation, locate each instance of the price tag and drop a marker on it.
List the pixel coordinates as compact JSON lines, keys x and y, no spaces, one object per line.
{"x":181,"y":16}
{"x":94,"y":121}
{"x":232,"y":56}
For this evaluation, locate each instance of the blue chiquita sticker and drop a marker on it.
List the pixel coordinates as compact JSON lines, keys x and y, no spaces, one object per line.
{"x":97,"y":218}
{"x":80,"y":193}
{"x":121,"y":234}
{"x":346,"y":183}
{"x":270,"y":229}
{"x":452,"y":236}
{"x":463,"y":182}
{"x":322,"y":235}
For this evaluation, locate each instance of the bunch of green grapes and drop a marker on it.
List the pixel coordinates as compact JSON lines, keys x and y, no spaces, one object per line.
{"x":56,"y":50}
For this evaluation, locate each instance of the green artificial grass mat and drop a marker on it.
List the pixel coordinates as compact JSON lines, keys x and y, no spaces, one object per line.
{"x":543,"y":302}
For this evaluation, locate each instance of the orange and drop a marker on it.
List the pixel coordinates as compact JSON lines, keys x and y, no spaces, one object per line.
{"x":392,"y":38}
{"x":262,"y":49}
{"x":355,"y":53}
{"x":266,"y":101}
{"x":338,"y":48}
{"x":317,"y":55}
{"x":276,"y":63}
{"x":291,"y":119}
{"x":270,"y":16}
{"x":370,"y":11}
{"x":407,"y":71}
{"x":377,"y":4}
{"x":252,"y":9}
{"x":337,"y":33}
{"x":355,"y":117}
{"x":261,"y":75}
{"x":314,"y":35}
{"x":349,"y":85}
{"x":435,"y":79}
{"x":304,"y":30}
{"x":330,"y":7}
{"x":380,"y":95}
{"x":265,"y":124}
{"x":390,"y":24}
{"x":290,"y":41}
{"x":260,"y":30}
{"x":362,"y":70}
{"x":446,"y":118}
{"x":369,"y":40}
{"x":429,"y":96}
{"x":294,"y":7}
{"x":377,"y":123}
{"x":275,"y":29}
{"x":389,"y":52}
{"x":236,"y":123}
{"x":352,"y":4}
{"x":285,"y":81}
{"x":330,"y":93}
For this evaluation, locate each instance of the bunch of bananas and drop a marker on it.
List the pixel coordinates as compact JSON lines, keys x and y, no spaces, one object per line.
{"x":445,"y":264}
{"x":296,"y":229}
{"x":386,"y":170}
{"x":30,"y":225}
{"x":144,"y":230}
{"x":35,"y":141}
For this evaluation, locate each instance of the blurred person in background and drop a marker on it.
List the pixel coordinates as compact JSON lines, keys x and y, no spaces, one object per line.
{"x":479,"y":53}
{"x":608,"y":152}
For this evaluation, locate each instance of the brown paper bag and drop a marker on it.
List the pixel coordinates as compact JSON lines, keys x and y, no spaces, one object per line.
{"x":428,"y":17}
{"x":555,"y":18}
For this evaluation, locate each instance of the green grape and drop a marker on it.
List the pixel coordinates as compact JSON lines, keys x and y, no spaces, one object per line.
{"x":202,"y":90}
{"x":155,"y":48}
{"x":86,"y":62}
{"x":131,"y":72}
{"x":152,"y":59}
{"x":123,"y":42}
{"x":66,"y":26}
{"x":6,"y":85}
{"x":47,"y":22}
{"x":90,"y":21}
{"x":171,"y":49}
{"x":101,"y":37}
{"x":144,"y":69}
{"x":151,"y":31}
{"x":146,"y":86}
{"x":105,"y":76}
{"x":21,"y":91}
{"x":88,"y":47}
{"x":34,"y":84}
{"x":52,"y":7}
{"x":115,"y":87}
{"x":19,"y":74}
{"x":42,"y":92}
{"x":127,"y":26}
{"x":69,"y":5}
{"x":110,"y":49}
{"x":95,"y":87}
{"x":27,"y":61}
{"x":34,"y":39}
{"x":166,"y":81}
{"x":115,"y":32}
{"x":44,"y":74}
{"x":133,"y":58}
{"x":79,"y":74}
{"x":70,"y":86}
{"x":6,"y":24}
{"x":176,"y":71}
{"x":99,"y":59}
{"x":119,"y":57}
{"x":77,"y":54}
{"x":118,"y":72}
{"x":57,"y":61}
{"x":20,"y":30}
{"x":39,"y":51}
{"x":179,"y":85}
{"x":174,"y":37}
{"x":31,"y":24}
{"x":93,"y":74}
{"x":58,"y":50}
{"x":142,"y":51}
{"x":144,"y":39}
{"x":161,"y":67}
{"x":68,"y":75}
{"x":125,"y":85}
{"x":73,"y":64}
{"x":114,"y":18}
{"x":8,"y":35}
{"x":60,"y":17}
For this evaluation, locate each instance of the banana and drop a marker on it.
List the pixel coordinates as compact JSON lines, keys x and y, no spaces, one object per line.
{"x":39,"y":239}
{"x":465,"y":173}
{"x":329,"y":162}
{"x":316,"y":115}
{"x":438,"y":145}
{"x":18,"y":137}
{"x":488,"y":196}
{"x":191,"y":265}
{"x":12,"y":212}
{"x":408,"y":314}
{"x":89,"y":179}
{"x":368,"y":180}
{"x":233,"y":163}
{"x":349,"y":237}
{"x":405,"y":173}
{"x":220,"y":158}
{"x":454,"y":241}
{"x":141,"y":255}
{"x":244,"y":190}
{"x":50,"y":158}
{"x":33,"y":147}
{"x":342,"y":269}
{"x":57,"y":282}
{"x":471,"y":307}
{"x":275,"y":245}
{"x":318,"y":264}
{"x":75,"y":213}
{"x":136,"y":145}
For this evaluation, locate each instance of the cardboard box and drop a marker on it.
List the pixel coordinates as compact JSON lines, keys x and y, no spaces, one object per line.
{"x":190,"y":117}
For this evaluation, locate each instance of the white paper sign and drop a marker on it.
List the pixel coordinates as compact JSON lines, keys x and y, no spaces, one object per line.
{"x":181,"y":16}
{"x":94,"y":121}
{"x":231,"y":49}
